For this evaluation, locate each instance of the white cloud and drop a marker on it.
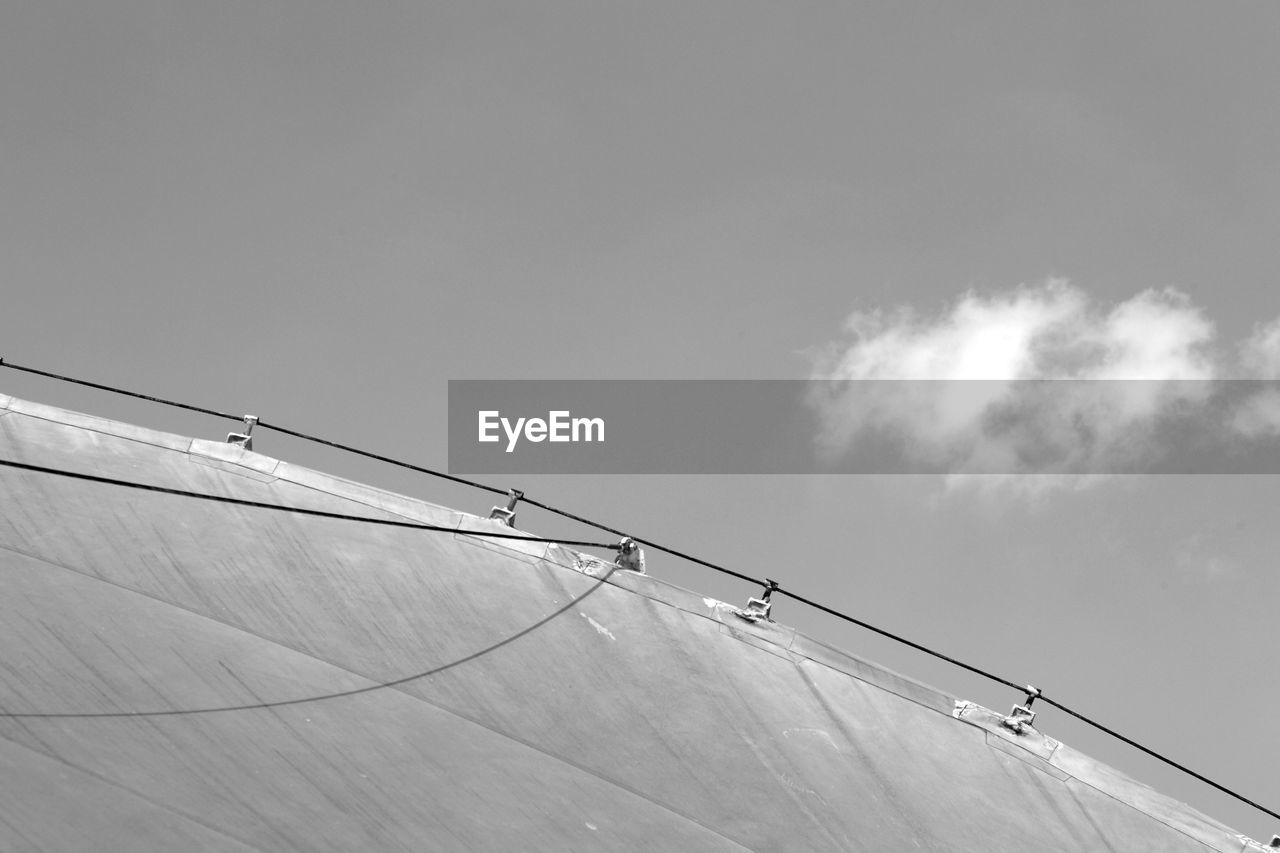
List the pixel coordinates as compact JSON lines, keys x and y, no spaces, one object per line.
{"x":1002,"y":425}
{"x":1258,"y":415}
{"x":1054,"y":331}
{"x":1260,"y":352}
{"x":1259,"y":358}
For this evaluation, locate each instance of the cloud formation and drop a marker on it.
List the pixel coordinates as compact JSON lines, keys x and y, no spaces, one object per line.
{"x":1157,"y":349}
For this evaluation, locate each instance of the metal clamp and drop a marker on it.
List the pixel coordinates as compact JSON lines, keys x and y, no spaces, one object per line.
{"x":630,"y":556}
{"x":507,"y":515}
{"x":1022,"y":717}
{"x":244,"y":439}
{"x":758,"y":608}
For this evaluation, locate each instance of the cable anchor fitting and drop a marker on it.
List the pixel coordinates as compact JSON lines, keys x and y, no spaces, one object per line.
{"x":244,"y":439}
{"x":630,"y":555}
{"x":1022,"y":717}
{"x":507,"y":515}
{"x":758,"y":608}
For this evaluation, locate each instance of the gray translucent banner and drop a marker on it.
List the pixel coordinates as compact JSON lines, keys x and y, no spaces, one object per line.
{"x":1080,"y":427}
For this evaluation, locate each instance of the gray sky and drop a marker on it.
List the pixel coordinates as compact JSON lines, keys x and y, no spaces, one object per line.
{"x":320,"y":212}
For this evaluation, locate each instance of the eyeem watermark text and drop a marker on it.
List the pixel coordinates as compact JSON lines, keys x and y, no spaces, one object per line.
{"x":558,"y":426}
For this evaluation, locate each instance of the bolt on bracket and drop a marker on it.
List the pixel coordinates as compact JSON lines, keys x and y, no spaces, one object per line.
{"x":630,"y":556}
{"x":758,"y":608}
{"x":507,"y":515}
{"x":1022,"y":717}
{"x":244,"y":439}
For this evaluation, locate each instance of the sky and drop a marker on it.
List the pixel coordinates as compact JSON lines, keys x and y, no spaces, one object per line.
{"x":321,"y":212}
